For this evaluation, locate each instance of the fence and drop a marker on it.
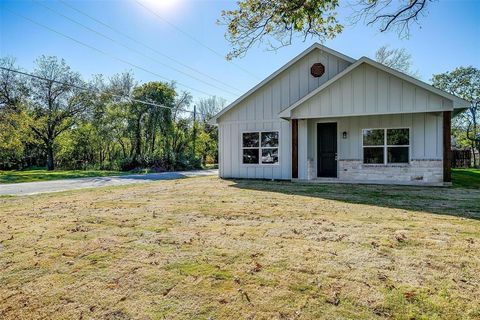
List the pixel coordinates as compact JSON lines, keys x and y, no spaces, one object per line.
{"x":461,"y":158}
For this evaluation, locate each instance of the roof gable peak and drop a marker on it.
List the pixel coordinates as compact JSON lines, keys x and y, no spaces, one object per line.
{"x":314,"y":46}
{"x":458,"y":102}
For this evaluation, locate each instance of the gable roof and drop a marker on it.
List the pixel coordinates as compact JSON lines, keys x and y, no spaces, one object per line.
{"x":276,"y":73}
{"x":457,"y":102}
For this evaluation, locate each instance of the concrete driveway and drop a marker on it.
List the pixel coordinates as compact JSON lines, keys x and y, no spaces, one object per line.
{"x":26,"y":188}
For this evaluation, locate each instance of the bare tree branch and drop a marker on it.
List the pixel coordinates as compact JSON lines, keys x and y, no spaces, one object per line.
{"x":390,"y":15}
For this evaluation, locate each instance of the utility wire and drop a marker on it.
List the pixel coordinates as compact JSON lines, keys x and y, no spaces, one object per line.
{"x":129,"y":48}
{"x":103,"y":52}
{"x":145,"y":45}
{"x":97,"y":91}
{"x":188,"y":35}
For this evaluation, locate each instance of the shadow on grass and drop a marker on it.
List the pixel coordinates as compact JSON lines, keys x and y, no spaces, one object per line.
{"x":458,"y":202}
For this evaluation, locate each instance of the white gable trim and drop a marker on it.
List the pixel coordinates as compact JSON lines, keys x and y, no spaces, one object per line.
{"x":457,"y":102}
{"x":276,"y":73}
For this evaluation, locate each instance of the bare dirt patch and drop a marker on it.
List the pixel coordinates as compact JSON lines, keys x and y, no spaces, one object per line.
{"x":206,"y":248}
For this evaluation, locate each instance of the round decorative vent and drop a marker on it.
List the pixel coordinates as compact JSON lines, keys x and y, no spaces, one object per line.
{"x":317,"y":70}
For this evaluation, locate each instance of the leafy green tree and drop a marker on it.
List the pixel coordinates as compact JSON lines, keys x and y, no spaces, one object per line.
{"x":56,"y":103}
{"x":106,"y":124}
{"x":152,"y":124}
{"x":464,"y":82}
{"x":13,"y":89}
{"x":14,"y":132}
{"x":114,"y":112}
{"x":277,"y":23}
{"x":15,"y":138}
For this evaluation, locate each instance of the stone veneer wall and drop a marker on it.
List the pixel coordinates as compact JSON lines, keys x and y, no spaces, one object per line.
{"x":417,"y":171}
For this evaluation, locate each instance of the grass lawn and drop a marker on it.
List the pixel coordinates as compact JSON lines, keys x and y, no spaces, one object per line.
{"x":33,"y":175}
{"x":466,"y":178}
{"x":205,"y":248}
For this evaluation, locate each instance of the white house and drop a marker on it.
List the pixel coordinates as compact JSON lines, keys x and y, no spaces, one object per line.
{"x":327,"y":117}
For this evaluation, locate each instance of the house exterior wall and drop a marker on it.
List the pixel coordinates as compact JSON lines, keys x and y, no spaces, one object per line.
{"x":259,"y":112}
{"x":426,"y":148}
{"x":288,"y":87}
{"x":364,"y":98}
{"x":230,"y":151}
{"x":368,"y":91}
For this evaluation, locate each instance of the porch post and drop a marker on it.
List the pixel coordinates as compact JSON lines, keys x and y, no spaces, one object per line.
{"x":294,"y":148}
{"x":302,"y":149}
{"x":447,"y":146}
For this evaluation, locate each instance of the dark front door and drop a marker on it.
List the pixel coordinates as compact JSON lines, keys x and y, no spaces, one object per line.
{"x":327,"y":150}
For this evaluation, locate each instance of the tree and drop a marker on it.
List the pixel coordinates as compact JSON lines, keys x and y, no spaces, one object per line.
{"x":15,"y":138}
{"x":276,"y":23}
{"x":398,"y":59}
{"x":105,"y":124}
{"x":208,"y":107}
{"x":152,"y":121}
{"x":12,"y":85}
{"x":56,"y":101}
{"x":397,"y":16}
{"x":256,"y":20}
{"x":14,"y":133}
{"x":464,"y":82}
{"x":182,"y":102}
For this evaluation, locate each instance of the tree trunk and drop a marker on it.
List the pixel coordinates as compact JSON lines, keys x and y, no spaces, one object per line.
{"x":124,"y":150}
{"x":50,"y":159}
{"x":138,"y":139}
{"x":152,"y":145}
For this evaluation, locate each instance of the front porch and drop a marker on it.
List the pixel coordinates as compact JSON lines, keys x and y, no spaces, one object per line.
{"x":331,"y":150}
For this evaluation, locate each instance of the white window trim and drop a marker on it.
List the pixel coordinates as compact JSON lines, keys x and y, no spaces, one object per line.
{"x":260,"y":148}
{"x":385,"y":147}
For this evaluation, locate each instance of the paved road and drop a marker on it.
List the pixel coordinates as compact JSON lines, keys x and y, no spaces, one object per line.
{"x":26,"y":188}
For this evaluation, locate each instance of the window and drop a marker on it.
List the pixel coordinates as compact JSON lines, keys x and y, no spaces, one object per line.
{"x":382,"y":146}
{"x":260,"y":147}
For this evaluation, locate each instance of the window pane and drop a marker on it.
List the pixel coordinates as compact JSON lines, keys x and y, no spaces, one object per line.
{"x":397,"y":154}
{"x":270,"y":156}
{"x":250,"y":156}
{"x":251,"y":139}
{"x":397,"y":137}
{"x":270,"y":139}
{"x":373,"y":137}
{"x":373,"y":155}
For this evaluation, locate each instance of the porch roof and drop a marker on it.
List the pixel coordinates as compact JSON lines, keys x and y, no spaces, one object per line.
{"x":456,"y":102}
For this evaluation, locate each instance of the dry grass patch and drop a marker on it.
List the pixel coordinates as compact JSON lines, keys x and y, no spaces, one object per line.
{"x":205,"y":248}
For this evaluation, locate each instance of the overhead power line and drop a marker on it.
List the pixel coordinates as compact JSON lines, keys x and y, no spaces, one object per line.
{"x":129,"y":48}
{"x":103,"y":52}
{"x":146,"y":45}
{"x":191,"y":37}
{"x":96,"y":91}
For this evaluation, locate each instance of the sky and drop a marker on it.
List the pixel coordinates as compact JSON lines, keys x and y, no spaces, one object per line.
{"x":173,"y":39}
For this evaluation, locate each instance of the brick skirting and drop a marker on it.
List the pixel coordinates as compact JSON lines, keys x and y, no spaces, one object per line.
{"x":421,"y":171}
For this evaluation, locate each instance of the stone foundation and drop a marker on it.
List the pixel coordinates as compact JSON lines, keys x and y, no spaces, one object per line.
{"x":416,"y":172}
{"x":311,"y":169}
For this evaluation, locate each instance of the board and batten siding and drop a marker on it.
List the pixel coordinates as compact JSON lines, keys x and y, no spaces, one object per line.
{"x":259,"y":112}
{"x":425,"y":134}
{"x":286,"y":88}
{"x":367,"y":90}
{"x":230,"y":151}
